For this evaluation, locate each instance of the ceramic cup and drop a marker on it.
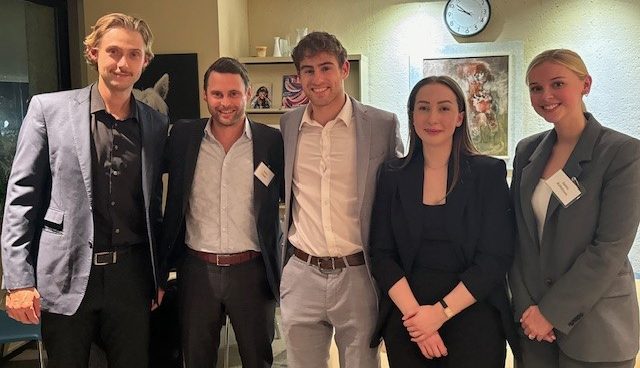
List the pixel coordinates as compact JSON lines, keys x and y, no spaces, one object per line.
{"x":261,"y":51}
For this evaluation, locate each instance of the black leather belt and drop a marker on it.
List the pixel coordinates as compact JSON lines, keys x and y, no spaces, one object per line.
{"x":107,"y":258}
{"x":330,"y":263}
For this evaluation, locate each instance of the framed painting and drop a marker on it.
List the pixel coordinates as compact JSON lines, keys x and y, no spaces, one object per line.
{"x":488,"y":75}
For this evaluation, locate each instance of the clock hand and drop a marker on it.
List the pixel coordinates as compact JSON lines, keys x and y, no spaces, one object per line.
{"x":463,"y":10}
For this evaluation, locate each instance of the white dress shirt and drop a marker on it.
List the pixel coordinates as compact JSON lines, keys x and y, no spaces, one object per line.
{"x":325,"y":219}
{"x":220,"y":216}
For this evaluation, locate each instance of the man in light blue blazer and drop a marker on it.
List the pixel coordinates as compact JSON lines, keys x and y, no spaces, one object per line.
{"x":83,"y":207}
{"x":333,"y":148}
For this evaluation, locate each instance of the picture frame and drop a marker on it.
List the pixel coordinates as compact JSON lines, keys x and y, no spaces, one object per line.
{"x":261,"y":96}
{"x":491,"y":77}
{"x":292,"y":93}
{"x":171,"y":79}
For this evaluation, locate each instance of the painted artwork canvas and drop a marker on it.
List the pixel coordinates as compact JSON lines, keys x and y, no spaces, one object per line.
{"x":292,"y":93}
{"x":485,"y":83}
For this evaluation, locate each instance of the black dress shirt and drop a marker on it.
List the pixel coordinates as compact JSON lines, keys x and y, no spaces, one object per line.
{"x":116,"y":170}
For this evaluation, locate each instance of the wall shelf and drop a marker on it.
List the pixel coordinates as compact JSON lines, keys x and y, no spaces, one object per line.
{"x":271,"y":69}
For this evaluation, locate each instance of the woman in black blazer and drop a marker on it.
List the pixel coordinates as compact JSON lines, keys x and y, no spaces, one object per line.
{"x":442,"y":241}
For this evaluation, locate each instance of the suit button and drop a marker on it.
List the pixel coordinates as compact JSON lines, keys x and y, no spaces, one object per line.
{"x":549,"y":282}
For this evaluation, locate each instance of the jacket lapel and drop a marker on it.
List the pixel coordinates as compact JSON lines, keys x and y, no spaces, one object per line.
{"x":259,"y":155}
{"x":148,"y":152}
{"x":582,"y":152}
{"x":457,"y":201}
{"x":363,"y":149}
{"x":531,"y":174}
{"x":79,"y":112}
{"x":290,"y":148}
{"x":410,"y":184}
{"x":191,"y":157}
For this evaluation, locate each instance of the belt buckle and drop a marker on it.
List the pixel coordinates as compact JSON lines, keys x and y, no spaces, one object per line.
{"x":327,"y":265}
{"x":219,"y":264}
{"x":98,"y":262}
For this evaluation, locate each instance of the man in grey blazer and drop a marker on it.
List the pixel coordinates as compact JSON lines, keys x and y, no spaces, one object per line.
{"x":83,"y":207}
{"x":333,"y":148}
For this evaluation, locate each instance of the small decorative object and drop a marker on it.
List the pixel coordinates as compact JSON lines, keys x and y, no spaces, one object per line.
{"x":292,"y":93}
{"x":261,"y":51}
{"x":300,"y":33}
{"x":276,"y":47}
{"x":467,"y":18}
{"x":262,"y":96}
{"x":285,"y":50}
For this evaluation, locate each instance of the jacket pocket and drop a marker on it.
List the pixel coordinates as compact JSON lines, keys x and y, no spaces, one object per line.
{"x":54,"y":220}
{"x":622,"y":285}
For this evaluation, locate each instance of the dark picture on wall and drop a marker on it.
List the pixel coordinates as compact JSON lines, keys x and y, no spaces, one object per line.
{"x":170,"y":85}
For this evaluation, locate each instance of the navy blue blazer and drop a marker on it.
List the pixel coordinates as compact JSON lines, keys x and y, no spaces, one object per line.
{"x":479,"y":222}
{"x":181,"y":155}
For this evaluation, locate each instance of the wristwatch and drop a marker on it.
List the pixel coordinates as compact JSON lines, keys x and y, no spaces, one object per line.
{"x":447,"y":311}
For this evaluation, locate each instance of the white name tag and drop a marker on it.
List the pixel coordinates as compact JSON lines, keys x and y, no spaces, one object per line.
{"x":264,"y":174}
{"x":564,"y":188}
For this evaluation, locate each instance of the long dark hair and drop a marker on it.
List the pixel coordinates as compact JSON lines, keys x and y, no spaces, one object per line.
{"x":462,"y":144}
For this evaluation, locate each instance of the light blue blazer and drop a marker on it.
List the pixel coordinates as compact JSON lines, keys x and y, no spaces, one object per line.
{"x":47,"y":230}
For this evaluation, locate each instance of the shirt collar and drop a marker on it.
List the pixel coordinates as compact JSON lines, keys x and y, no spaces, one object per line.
{"x":345,"y":114}
{"x":247,"y":129}
{"x":97,"y":103}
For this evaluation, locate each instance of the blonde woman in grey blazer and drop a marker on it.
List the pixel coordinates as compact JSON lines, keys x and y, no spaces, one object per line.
{"x":573,"y":286}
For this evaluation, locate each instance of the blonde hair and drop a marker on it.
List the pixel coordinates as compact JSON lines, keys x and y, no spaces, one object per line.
{"x":567,"y":58}
{"x":117,"y":20}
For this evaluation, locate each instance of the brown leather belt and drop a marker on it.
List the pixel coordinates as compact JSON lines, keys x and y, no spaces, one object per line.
{"x":226,"y":259}
{"x":330,"y":263}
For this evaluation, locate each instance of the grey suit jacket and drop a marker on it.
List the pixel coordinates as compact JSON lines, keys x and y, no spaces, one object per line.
{"x":47,"y":231}
{"x":579,"y":273}
{"x":377,"y":140}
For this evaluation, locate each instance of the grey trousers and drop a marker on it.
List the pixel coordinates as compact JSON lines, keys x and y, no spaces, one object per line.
{"x":313,"y":304}
{"x":548,"y":355}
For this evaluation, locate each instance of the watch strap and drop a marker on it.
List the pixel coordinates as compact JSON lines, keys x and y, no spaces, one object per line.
{"x":447,"y":311}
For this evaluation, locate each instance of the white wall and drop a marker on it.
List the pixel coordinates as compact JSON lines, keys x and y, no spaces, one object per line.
{"x":604,"y":32}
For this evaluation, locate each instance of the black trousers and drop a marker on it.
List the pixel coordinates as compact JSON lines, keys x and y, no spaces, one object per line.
{"x":115,"y":310}
{"x":208,"y":293}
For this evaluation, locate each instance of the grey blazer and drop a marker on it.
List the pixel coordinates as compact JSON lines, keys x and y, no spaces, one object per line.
{"x":377,"y":140}
{"x":47,"y":231}
{"x":579,"y":273}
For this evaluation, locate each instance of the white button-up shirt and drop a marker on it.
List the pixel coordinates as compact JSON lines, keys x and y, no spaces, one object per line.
{"x":220,"y":216}
{"x":325,"y":218}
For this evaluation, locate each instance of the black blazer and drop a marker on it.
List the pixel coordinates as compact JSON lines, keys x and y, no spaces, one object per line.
{"x":479,"y":221}
{"x":180,"y":162}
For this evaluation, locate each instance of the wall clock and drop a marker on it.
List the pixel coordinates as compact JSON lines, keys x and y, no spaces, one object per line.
{"x":467,"y":18}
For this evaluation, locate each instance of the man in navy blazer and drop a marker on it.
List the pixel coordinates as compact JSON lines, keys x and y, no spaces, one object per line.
{"x":83,"y":207}
{"x":221,"y":224}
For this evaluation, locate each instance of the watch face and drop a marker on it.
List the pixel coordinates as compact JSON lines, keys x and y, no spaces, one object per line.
{"x":467,"y":17}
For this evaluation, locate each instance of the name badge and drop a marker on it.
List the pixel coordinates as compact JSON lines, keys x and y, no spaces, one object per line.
{"x":566,"y":189}
{"x":264,"y":174}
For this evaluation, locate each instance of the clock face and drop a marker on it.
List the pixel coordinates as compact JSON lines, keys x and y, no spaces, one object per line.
{"x":467,"y":17}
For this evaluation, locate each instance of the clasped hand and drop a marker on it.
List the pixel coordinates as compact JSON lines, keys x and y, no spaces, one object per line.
{"x":423,"y":324}
{"x":536,"y":326}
